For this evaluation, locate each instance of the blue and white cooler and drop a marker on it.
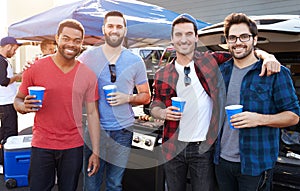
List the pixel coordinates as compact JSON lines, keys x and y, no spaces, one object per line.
{"x":17,"y":160}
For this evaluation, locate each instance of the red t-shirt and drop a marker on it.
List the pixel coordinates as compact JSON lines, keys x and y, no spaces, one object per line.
{"x":58,"y":124}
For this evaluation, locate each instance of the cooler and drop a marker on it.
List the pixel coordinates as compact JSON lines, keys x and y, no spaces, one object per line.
{"x":17,"y":160}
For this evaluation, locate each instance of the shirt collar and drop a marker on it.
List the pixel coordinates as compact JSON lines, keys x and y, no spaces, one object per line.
{"x":181,"y":68}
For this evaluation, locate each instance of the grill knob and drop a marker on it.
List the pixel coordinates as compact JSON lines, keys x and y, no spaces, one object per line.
{"x":148,"y":142}
{"x":136,"y":139}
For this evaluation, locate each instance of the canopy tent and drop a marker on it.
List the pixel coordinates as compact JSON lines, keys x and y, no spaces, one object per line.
{"x":147,"y":24}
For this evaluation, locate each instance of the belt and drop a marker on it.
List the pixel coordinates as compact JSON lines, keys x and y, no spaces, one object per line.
{"x":7,"y":105}
{"x":195,"y":143}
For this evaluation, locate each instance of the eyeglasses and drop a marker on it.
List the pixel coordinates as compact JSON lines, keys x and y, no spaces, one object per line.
{"x":242,"y":38}
{"x":113,"y":73}
{"x":187,"y":79}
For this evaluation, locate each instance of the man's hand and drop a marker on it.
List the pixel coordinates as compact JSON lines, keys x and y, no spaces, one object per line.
{"x":30,"y":104}
{"x":18,"y":76}
{"x":270,"y":63}
{"x":245,"y":120}
{"x":118,"y":98}
{"x":171,"y":114}
{"x":94,"y":164}
{"x":27,"y":65}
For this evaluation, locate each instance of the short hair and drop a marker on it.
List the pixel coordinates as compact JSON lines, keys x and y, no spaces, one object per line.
{"x":44,"y":43}
{"x":185,"y":18}
{"x":116,"y":14}
{"x":238,"y":18}
{"x":71,"y":23}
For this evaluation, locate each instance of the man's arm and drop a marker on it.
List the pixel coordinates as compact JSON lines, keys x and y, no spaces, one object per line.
{"x":141,"y":98}
{"x":15,"y":78}
{"x":252,"y":119}
{"x":94,"y":132}
{"x":270,"y":63}
{"x":4,"y":80}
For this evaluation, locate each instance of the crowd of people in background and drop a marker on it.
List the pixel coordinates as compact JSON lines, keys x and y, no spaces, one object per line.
{"x":198,"y":140}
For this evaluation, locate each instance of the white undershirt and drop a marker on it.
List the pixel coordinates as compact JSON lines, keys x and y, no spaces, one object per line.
{"x":196,"y":116}
{"x":7,"y":94}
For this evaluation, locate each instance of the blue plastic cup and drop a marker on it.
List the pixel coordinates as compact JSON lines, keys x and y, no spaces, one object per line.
{"x":232,"y":110}
{"x":38,"y":91}
{"x":178,"y":102}
{"x":109,"y":89}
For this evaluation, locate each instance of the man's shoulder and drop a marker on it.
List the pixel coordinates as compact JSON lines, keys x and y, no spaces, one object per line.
{"x":165,"y":72}
{"x":84,"y":67}
{"x":130,"y":55}
{"x":42,"y":62}
{"x":90,"y":51}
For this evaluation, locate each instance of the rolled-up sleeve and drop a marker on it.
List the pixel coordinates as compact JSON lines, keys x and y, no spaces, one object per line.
{"x":284,"y":93}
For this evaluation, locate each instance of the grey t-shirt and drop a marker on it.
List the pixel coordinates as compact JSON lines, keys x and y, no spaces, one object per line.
{"x":230,"y":137}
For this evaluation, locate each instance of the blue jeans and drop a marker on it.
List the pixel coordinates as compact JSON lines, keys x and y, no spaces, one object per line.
{"x":199,"y":165}
{"x":229,"y":177}
{"x":114,"y":152}
{"x":45,"y":162}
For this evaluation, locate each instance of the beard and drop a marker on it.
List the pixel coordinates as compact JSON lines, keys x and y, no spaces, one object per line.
{"x":113,"y":42}
{"x":247,"y":52}
{"x":10,"y":53}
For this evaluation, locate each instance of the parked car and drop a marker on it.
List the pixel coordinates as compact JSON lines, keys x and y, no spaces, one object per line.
{"x":279,"y":35}
{"x":167,"y":56}
{"x":151,"y":57}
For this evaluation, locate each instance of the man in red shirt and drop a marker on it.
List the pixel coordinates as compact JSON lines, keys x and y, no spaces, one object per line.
{"x":57,"y":143}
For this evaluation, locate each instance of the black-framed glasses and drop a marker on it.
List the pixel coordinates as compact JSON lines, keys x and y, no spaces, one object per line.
{"x":187,"y":79}
{"x":242,"y":38}
{"x":113,"y":73}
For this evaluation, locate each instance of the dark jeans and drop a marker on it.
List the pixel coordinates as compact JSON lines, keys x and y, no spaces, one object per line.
{"x":199,"y":165}
{"x":229,"y":177}
{"x":45,"y":162}
{"x":9,"y":124}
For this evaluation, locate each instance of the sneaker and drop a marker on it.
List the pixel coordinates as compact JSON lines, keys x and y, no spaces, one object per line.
{"x":1,"y":169}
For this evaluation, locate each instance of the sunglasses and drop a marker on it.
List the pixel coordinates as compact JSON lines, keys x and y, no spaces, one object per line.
{"x":187,"y":79}
{"x":113,"y":73}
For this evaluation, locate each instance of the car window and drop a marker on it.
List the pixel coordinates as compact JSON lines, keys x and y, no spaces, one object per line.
{"x":151,"y":56}
{"x":168,"y":55}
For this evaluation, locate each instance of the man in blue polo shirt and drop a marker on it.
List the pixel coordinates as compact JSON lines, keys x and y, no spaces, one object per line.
{"x":245,"y":156}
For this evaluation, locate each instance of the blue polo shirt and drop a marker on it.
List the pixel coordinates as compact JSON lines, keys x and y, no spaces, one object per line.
{"x":130,"y":71}
{"x":259,"y":146}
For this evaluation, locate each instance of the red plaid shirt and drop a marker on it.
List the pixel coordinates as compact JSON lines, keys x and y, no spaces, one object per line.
{"x":207,"y":70}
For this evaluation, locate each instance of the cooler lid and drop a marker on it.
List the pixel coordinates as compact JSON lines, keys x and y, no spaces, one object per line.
{"x":18,"y":142}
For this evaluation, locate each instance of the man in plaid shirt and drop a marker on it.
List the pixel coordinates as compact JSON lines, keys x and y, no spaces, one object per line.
{"x":246,"y":155}
{"x":189,"y":135}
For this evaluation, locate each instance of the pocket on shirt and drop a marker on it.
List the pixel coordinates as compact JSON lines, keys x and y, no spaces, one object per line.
{"x":260,"y":92}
